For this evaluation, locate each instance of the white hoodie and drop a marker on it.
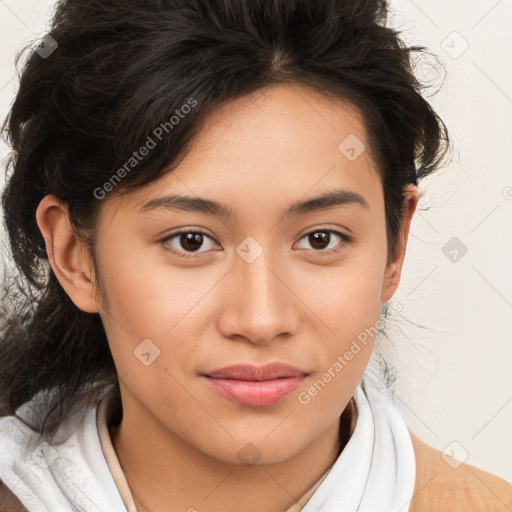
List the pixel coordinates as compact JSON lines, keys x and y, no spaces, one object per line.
{"x":80,"y":471}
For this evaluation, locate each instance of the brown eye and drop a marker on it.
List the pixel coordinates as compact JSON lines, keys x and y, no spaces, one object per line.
{"x":189,"y":242}
{"x":324,"y":240}
{"x":319,"y":240}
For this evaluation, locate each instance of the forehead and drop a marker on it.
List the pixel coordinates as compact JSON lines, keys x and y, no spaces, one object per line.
{"x":278,"y":144}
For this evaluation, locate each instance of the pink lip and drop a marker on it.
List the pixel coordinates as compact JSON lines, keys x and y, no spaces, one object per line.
{"x":256,"y":385}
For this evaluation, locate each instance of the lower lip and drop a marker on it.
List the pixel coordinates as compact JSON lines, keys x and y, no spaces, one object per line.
{"x":256,"y":393}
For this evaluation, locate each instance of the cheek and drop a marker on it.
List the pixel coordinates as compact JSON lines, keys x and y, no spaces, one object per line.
{"x":146,"y":294}
{"x":349,"y":305}
{"x":155,"y":302}
{"x":347,"y":296}
{"x":347,"y":301}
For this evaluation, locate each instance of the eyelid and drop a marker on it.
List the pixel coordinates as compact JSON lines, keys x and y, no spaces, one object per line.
{"x":329,"y":229}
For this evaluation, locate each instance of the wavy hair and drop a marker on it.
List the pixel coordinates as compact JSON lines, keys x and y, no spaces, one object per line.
{"x":123,"y":67}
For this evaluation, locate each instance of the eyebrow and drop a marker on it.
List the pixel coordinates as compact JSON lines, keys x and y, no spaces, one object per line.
{"x":331,"y":199}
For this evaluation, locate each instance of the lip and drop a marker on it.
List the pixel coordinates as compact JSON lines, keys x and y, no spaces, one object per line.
{"x":256,"y":385}
{"x":253,"y":372}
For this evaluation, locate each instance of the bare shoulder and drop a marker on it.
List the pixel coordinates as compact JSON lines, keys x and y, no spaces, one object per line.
{"x":444,"y":484}
{"x":8,"y":501}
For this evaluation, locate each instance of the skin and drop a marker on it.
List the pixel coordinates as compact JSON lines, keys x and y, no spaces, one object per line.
{"x":298,"y":303}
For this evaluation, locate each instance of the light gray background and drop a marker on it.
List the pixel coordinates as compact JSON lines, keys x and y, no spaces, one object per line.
{"x":455,"y":378}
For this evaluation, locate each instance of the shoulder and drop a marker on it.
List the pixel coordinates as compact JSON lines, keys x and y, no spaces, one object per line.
{"x":444,"y":484}
{"x":8,"y":501}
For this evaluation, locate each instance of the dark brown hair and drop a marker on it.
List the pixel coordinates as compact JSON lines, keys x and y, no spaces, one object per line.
{"x":124,"y":67}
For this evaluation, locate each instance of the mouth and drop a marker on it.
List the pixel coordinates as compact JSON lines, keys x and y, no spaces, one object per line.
{"x":256,"y":385}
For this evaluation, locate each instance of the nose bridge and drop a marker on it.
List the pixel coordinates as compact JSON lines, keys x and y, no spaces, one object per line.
{"x":260,"y":283}
{"x":261,"y":306}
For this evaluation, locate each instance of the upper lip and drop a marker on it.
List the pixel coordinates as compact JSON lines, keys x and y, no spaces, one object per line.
{"x":268,"y":371}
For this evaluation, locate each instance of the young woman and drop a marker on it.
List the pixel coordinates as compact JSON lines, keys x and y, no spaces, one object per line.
{"x":209,"y":203}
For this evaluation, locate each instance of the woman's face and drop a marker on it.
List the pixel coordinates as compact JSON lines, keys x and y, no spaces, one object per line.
{"x":273,"y":278}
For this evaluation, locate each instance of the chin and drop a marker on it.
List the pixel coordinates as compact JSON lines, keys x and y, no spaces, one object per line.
{"x":246,"y":451}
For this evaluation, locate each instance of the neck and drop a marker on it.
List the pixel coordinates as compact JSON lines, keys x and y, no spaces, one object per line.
{"x":161,"y":469}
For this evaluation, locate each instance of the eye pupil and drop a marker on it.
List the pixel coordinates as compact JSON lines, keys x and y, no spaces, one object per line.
{"x":320,"y":237}
{"x":196,"y":239}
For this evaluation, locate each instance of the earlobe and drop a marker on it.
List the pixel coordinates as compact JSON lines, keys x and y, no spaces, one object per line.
{"x":393,"y":270}
{"x":67,"y":255}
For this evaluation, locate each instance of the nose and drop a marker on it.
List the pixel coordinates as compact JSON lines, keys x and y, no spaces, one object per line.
{"x":259,"y":303}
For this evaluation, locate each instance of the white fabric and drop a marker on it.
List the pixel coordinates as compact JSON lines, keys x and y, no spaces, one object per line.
{"x":374,"y":472}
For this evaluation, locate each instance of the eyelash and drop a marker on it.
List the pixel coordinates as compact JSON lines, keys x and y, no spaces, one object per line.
{"x":345,"y":241}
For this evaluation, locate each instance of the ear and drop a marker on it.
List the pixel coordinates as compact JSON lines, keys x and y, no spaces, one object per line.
{"x":67,"y":255}
{"x":393,"y":270}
